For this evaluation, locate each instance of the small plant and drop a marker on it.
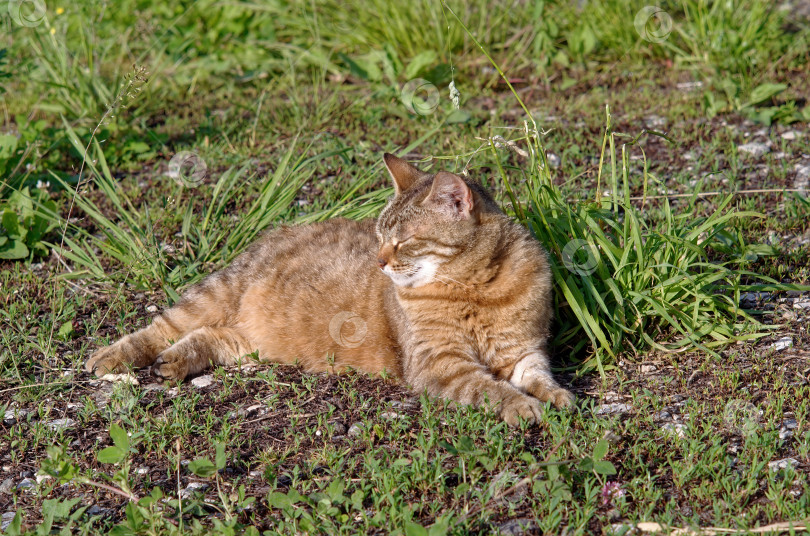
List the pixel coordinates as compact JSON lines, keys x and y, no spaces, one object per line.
{"x":26,"y":220}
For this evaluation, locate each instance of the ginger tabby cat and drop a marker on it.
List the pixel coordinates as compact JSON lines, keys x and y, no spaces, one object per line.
{"x":443,"y":290}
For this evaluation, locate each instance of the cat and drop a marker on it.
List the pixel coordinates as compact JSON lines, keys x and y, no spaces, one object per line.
{"x":444,"y":291}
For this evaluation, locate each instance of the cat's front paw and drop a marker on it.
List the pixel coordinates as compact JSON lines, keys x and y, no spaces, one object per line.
{"x":170,"y":365}
{"x":561,"y":398}
{"x":521,"y":406}
{"x":107,"y":360}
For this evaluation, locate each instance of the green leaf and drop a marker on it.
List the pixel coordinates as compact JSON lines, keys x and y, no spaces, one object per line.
{"x":764,"y":92}
{"x":111,"y":455}
{"x":457,"y":116}
{"x":220,"y":459}
{"x":11,"y":224}
{"x":119,"y":437}
{"x":65,"y":331}
{"x":604,"y":467}
{"x":202,"y":467}
{"x":415,"y":529}
{"x":14,"y":250}
{"x":419,"y":62}
{"x":600,"y":450}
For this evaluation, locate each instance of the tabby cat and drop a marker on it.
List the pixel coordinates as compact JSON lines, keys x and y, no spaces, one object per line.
{"x":443,"y":291}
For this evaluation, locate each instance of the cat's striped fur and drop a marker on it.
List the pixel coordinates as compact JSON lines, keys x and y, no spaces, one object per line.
{"x":443,"y":290}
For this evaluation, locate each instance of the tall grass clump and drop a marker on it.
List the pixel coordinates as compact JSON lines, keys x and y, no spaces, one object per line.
{"x":626,"y":283}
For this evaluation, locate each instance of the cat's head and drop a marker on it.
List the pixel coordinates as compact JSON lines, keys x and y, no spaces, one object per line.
{"x":431,"y":221}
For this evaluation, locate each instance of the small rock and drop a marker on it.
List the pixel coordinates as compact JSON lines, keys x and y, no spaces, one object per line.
{"x":339,"y":429}
{"x":689,"y":86}
{"x":42,"y":478}
{"x":256,"y":474}
{"x":517,"y":527}
{"x":60,"y":424}
{"x":778,"y":465}
{"x":791,"y":135}
{"x":6,"y":520}
{"x":27,"y":483}
{"x":151,"y":308}
{"x":390,"y":415}
{"x":755,"y":149}
{"x":554,"y":161}
{"x":13,"y":416}
{"x":646,"y":369}
{"x":355,"y":430}
{"x":749,"y":300}
{"x":120,"y":378}
{"x":154,"y":387}
{"x":655,"y":122}
{"x":96,"y":510}
{"x":173,"y":392}
{"x":202,"y":381}
{"x":782,"y":344}
{"x":614,"y":409}
{"x":192,"y":488}
{"x":142,"y":470}
{"x":790,"y":423}
{"x":801,"y":305}
{"x":678,"y":430}
{"x":662,"y":416}
{"x":7,"y":486}
{"x":785,"y":433}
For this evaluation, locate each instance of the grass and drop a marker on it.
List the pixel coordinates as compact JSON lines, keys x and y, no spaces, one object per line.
{"x":696,"y":417}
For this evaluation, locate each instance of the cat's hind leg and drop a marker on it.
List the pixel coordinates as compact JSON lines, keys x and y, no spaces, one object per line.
{"x":138,"y":349}
{"x":200,"y":349}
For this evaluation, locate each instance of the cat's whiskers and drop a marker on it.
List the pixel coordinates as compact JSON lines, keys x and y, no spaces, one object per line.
{"x":438,"y":277}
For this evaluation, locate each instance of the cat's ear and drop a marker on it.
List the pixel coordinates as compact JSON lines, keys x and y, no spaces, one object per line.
{"x":451,"y":195}
{"x":404,"y":174}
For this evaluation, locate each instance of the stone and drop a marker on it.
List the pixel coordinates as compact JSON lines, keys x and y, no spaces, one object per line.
{"x":13,"y":416}
{"x":391,"y":415}
{"x":27,"y":483}
{"x":143,"y":470}
{"x":791,"y":135}
{"x":6,"y":520}
{"x":554,"y":161}
{"x":151,"y":308}
{"x":753,"y":148}
{"x":120,"y":378}
{"x":517,"y":527}
{"x":7,"y":486}
{"x":614,"y":409}
{"x":804,"y":305}
{"x":202,"y":381}
{"x":192,"y":488}
{"x":61,"y":424}
{"x":782,"y":344}
{"x":154,"y":387}
{"x":646,"y":369}
{"x":355,"y":430}
{"x":655,"y":122}
{"x":779,"y":465}
{"x":674,"y":429}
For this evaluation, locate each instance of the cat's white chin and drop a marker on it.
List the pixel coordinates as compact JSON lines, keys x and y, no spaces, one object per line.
{"x":424,"y":273}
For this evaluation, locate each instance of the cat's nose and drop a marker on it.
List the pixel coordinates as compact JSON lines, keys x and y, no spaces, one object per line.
{"x":381,"y":263}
